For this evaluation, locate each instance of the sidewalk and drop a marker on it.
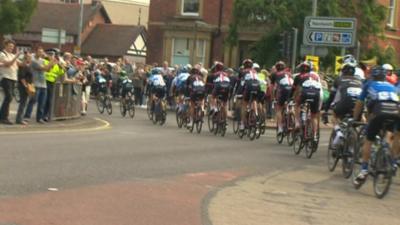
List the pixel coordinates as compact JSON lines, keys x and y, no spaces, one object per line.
{"x":301,"y":196}
{"x":80,"y":124}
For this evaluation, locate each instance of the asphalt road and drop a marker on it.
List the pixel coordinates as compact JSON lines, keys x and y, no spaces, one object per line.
{"x":133,"y":171}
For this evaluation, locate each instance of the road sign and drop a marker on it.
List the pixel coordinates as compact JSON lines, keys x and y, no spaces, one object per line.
{"x":54,"y":36}
{"x":330,"y":31}
{"x":314,"y":60}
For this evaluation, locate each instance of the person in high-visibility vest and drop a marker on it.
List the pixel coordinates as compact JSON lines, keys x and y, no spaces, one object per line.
{"x":52,"y":76}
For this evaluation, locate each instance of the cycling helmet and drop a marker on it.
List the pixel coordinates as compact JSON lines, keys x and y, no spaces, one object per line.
{"x":184,"y":69}
{"x":195,"y":70}
{"x":122,"y":73}
{"x":305,"y":67}
{"x":280,"y":65}
{"x":155,"y":71}
{"x":378,"y":73}
{"x":218,"y":66}
{"x":247,"y":63}
{"x":256,"y":66}
{"x":348,"y":69}
{"x":387,"y":67}
{"x":349,"y":59}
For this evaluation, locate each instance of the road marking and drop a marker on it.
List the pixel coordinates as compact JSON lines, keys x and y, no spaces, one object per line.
{"x":105,"y":125}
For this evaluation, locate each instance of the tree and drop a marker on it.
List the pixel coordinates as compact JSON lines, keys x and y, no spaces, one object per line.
{"x":15,"y":15}
{"x":282,"y":15}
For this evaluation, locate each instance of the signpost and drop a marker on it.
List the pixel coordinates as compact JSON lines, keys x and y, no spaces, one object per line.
{"x":330,"y":31}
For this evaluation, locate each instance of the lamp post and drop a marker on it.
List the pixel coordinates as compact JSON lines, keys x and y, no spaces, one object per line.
{"x":80,"y":27}
{"x":314,"y":13}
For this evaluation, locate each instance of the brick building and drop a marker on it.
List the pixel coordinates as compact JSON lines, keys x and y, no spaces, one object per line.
{"x":192,"y":31}
{"x":392,"y":26}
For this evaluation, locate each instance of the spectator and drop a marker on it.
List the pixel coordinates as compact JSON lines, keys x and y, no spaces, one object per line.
{"x":138,"y":84}
{"x":128,"y":68}
{"x":24,"y":79}
{"x":87,"y":82}
{"x":52,"y":76}
{"x":39,"y":66}
{"x":8,"y":76}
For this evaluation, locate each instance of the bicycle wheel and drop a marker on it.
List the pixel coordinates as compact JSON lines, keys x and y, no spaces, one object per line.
{"x":383,"y":176}
{"x":332,"y":156}
{"x":236,"y":122}
{"x":309,"y":143}
{"x":131,"y":108}
{"x":178,"y":118}
{"x":149,"y":111}
{"x":210,"y":122}
{"x":279,"y":136}
{"x":290,"y":126}
{"x":100,"y":103}
{"x":297,"y":143}
{"x":252,"y":120}
{"x":347,"y":154}
{"x":199,"y":124}
{"x":357,"y":163}
{"x":122,"y":107}
{"x":108,"y":104}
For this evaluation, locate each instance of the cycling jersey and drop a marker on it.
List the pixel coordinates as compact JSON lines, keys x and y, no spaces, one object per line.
{"x":310,"y":90}
{"x":222,"y":86}
{"x":157,"y":80}
{"x":126,"y":86}
{"x":196,"y":87}
{"x":251,"y":85}
{"x":283,"y":82}
{"x":381,"y":97}
{"x":348,"y":90}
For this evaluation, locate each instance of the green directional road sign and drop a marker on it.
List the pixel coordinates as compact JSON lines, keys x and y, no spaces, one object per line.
{"x":330,"y":31}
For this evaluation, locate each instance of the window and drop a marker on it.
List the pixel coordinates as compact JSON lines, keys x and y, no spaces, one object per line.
{"x":392,"y":13}
{"x":190,"y":7}
{"x":201,"y":51}
{"x":180,"y":51}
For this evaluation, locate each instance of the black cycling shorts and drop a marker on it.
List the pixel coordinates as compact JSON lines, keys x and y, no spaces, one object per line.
{"x":344,"y":107}
{"x":391,"y":121}
{"x":159,"y":91}
{"x":312,"y":96}
{"x":283,"y":95}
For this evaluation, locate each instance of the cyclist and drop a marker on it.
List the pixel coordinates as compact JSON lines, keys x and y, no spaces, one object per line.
{"x":125,"y":84}
{"x":382,"y":104}
{"x":157,"y":86}
{"x":346,"y":90}
{"x":196,"y":89}
{"x":251,"y":89}
{"x":261,"y":75}
{"x":210,"y":82}
{"x":282,"y":82}
{"x":179,"y":85}
{"x":306,"y":87}
{"x":221,"y":88}
{"x":390,"y":76}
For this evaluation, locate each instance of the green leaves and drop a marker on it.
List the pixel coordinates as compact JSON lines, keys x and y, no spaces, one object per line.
{"x":15,"y":14}
{"x":281,"y":15}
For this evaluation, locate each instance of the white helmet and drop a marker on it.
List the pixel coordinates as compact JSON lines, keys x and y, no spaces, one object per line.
{"x":387,"y":67}
{"x":256,"y":66}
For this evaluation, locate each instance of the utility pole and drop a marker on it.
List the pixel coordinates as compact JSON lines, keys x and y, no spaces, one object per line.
{"x":314,"y":13}
{"x":80,"y":27}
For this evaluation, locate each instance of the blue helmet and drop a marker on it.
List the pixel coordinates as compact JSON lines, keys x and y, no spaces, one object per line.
{"x":184,"y":69}
{"x":155,"y":71}
{"x":378,"y":72}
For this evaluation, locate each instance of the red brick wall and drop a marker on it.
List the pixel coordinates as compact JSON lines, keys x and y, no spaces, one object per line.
{"x":97,"y":19}
{"x":390,"y":32}
{"x":210,"y":15}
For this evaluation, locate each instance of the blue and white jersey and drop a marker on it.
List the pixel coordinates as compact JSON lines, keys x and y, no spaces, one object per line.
{"x":379,"y":91}
{"x":181,"y":79}
{"x":157,"y":80}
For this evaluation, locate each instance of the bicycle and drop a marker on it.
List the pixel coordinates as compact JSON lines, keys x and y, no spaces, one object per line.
{"x":304,"y":137}
{"x":261,"y":118}
{"x":251,"y":119}
{"x":288,"y":125}
{"x":345,"y":149}
{"x":219,"y":119}
{"x":103,"y":102}
{"x":160,"y":111}
{"x":127,"y":104}
{"x":198,"y":117}
{"x":182,"y":114}
{"x":380,"y":163}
